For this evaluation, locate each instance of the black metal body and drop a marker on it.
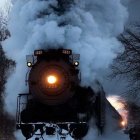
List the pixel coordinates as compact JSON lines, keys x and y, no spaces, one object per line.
{"x":64,"y":106}
{"x":68,"y":112}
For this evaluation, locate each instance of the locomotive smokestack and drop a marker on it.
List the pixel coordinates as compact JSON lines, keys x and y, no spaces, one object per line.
{"x":88,"y":27}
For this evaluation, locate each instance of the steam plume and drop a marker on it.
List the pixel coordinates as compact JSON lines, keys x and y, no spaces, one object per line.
{"x":88,"y":27}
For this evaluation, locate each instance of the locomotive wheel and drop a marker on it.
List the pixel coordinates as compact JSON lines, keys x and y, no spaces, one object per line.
{"x":27,"y":130}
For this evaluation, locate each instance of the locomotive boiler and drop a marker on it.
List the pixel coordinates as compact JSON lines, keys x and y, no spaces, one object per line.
{"x":56,"y":101}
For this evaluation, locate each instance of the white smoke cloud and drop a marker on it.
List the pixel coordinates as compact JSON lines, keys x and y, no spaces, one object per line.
{"x":90,"y":28}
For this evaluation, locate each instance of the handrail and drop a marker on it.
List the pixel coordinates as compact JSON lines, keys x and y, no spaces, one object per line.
{"x":20,"y":105}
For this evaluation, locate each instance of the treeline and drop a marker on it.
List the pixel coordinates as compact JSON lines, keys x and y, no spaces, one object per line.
{"x":6,"y":122}
{"x":127,"y":66}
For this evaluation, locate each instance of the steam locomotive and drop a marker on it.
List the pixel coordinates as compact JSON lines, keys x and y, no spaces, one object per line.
{"x":56,"y":101}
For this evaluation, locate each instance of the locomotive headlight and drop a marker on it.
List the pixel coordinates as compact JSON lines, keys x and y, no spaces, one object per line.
{"x":51,"y":79}
{"x":29,"y":64}
{"x":123,"y":123}
{"x":76,"y":63}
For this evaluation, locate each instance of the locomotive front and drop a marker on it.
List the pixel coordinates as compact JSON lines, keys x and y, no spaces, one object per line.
{"x":56,"y":101}
{"x":53,"y":76}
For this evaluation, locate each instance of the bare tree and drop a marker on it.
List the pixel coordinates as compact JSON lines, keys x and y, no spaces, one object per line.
{"x":127,"y":64}
{"x":133,"y":114}
{"x":7,"y":123}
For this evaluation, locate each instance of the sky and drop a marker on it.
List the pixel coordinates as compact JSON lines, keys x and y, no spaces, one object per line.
{"x":5,"y":6}
{"x":134,"y":11}
{"x":2,"y":3}
{"x":133,"y":8}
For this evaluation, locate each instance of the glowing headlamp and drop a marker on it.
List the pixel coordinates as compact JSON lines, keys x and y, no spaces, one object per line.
{"x":76,"y":63}
{"x":29,"y":64}
{"x":66,"y":51}
{"x":51,"y":79}
{"x":123,"y":123}
{"x":38,"y":52}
